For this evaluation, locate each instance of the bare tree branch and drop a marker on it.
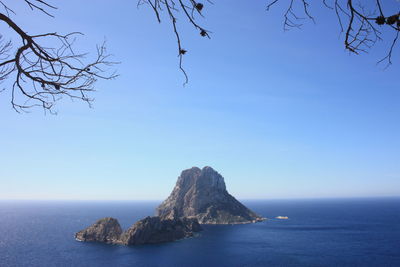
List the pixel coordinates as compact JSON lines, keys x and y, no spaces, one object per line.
{"x":172,"y":7}
{"x":360,"y":23}
{"x":43,"y":75}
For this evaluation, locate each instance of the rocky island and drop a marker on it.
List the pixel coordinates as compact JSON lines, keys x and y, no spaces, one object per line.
{"x":152,"y":230}
{"x":199,"y":197}
{"x":149,"y":230}
{"x":202,"y":193}
{"x":105,"y":230}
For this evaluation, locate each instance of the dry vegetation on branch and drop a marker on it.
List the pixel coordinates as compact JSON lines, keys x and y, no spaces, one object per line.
{"x":189,"y":9}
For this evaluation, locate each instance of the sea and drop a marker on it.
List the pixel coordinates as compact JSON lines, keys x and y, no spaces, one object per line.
{"x":319,"y":232}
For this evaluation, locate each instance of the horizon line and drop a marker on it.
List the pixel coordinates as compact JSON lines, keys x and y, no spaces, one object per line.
{"x":160,"y":200}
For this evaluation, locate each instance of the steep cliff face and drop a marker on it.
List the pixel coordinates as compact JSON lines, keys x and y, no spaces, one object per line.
{"x":202,"y":193}
{"x":153,"y":230}
{"x":105,"y":230}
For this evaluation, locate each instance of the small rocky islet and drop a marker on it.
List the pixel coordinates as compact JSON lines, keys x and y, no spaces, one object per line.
{"x":149,"y":230}
{"x":199,"y":197}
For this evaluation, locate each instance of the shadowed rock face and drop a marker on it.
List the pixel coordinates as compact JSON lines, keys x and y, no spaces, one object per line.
{"x":152,"y":230}
{"x":105,"y":230}
{"x":201,"y":193}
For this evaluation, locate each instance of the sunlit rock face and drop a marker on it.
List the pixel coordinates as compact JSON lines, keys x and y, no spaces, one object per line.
{"x":202,"y":193}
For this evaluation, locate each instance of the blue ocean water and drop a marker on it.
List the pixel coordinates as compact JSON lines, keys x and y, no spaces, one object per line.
{"x":345,"y":232}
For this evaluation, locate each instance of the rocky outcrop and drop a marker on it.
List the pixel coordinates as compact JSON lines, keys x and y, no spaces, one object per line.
{"x":199,"y":196}
{"x":105,"y":230}
{"x":152,"y":230}
{"x":202,"y":193}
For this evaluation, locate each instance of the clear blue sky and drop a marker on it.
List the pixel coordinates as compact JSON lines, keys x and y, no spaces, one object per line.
{"x":278,"y":114}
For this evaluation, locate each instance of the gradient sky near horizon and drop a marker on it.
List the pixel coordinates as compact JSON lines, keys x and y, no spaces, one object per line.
{"x":278,"y":114}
